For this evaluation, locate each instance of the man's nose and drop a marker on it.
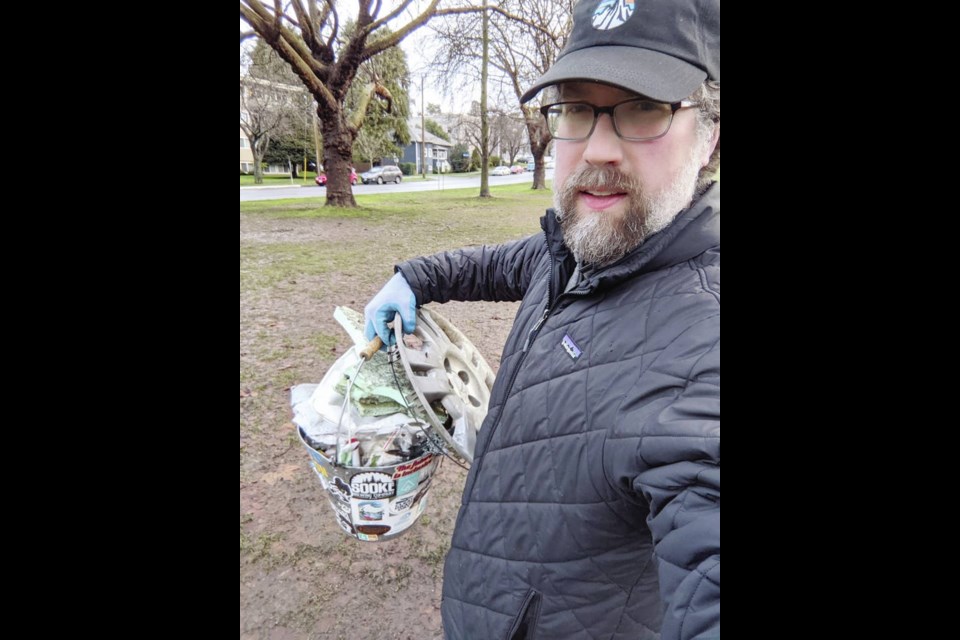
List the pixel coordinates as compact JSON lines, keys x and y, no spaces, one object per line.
{"x":603,"y":145}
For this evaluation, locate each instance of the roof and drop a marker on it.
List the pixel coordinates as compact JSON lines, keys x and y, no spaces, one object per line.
{"x":415,"y":136}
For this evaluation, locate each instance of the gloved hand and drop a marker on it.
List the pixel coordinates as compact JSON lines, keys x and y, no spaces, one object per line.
{"x":395,"y":296}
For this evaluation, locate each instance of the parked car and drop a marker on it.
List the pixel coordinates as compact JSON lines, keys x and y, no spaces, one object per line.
{"x":502,"y":170}
{"x":517,"y":168}
{"x":531,"y":165}
{"x":322,"y":178}
{"x":389,"y":173}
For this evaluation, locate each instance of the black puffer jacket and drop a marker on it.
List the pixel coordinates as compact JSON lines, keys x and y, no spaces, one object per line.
{"x":592,"y":509}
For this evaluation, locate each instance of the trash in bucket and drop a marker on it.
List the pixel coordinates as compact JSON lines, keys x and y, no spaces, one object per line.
{"x":376,"y":453}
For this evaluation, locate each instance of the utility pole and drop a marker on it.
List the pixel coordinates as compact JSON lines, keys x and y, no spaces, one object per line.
{"x":484,"y":121}
{"x":316,"y":140}
{"x":423,"y":133}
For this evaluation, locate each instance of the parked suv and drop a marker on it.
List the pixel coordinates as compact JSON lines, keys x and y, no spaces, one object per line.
{"x":389,"y":173}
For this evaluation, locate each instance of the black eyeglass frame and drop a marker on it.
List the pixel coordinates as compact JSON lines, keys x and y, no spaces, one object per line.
{"x":598,"y":111}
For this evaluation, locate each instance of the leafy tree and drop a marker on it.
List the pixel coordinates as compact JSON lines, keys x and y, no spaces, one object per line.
{"x":434,"y":127}
{"x":290,"y":151}
{"x":385,"y":131}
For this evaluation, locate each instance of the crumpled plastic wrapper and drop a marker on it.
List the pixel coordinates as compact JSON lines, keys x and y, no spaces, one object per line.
{"x":380,"y":425}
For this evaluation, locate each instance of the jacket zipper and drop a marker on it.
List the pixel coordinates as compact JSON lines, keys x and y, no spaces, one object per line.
{"x":516,"y":370}
{"x":536,"y":327}
{"x":531,"y":336}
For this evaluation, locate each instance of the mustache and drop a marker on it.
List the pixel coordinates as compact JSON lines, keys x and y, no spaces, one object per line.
{"x":588,"y":178}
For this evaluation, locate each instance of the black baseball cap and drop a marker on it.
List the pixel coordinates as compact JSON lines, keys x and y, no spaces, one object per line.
{"x":662,"y":49}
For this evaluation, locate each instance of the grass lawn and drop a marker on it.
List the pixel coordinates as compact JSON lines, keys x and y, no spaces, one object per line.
{"x":300,"y":577}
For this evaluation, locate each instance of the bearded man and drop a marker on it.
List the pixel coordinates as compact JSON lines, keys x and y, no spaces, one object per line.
{"x":592,"y":508}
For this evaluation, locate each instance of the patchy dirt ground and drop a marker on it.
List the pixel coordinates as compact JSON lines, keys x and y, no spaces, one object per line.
{"x":300,"y":576}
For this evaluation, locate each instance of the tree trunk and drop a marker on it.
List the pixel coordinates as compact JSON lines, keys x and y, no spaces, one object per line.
{"x":484,"y":117}
{"x":539,"y":140}
{"x":293,"y":166}
{"x":337,"y":158}
{"x":257,"y":162}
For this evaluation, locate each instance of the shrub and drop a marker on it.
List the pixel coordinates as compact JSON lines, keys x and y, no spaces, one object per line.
{"x":457,"y":160}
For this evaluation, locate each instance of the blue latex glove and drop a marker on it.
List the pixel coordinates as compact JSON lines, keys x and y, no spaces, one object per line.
{"x":396,"y":296}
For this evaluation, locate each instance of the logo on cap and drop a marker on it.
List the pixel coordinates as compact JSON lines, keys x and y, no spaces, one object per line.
{"x":612,"y":13}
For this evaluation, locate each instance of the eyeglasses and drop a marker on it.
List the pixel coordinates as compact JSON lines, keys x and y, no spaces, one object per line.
{"x":634,"y":119}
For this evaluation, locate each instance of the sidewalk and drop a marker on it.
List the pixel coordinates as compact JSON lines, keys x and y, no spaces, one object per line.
{"x":275,"y":186}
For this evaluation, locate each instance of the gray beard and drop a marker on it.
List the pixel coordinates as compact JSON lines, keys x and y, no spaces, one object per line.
{"x":597,"y":239}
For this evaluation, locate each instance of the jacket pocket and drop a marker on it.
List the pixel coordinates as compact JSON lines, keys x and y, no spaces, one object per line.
{"x":525,"y":626}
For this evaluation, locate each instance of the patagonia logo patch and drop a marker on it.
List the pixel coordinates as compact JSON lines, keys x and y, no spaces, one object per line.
{"x":571,"y":347}
{"x":612,"y":13}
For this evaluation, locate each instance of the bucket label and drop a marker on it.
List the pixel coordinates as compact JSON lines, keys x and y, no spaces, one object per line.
{"x":341,"y":508}
{"x":370,"y":511}
{"x":345,"y":525}
{"x":412,"y":467}
{"x":372,"y":530}
{"x":401,"y":504}
{"x":339,"y":489}
{"x":409,"y":483}
{"x":372,"y":486}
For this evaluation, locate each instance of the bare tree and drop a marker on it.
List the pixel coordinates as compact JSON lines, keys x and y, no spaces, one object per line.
{"x":266,"y":103}
{"x":308,"y":34}
{"x":470,"y":127}
{"x":526,"y":37}
{"x":259,"y":119}
{"x":543,"y":31}
{"x":509,"y":129}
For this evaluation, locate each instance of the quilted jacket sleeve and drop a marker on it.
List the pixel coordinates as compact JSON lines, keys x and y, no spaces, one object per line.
{"x":490,"y":272}
{"x":680,"y":478}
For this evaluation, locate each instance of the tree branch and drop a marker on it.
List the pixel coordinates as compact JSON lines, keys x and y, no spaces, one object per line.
{"x":306,"y":27}
{"x":506,"y":14}
{"x":290,"y":47}
{"x":382,"y":45}
{"x":374,"y":88}
{"x":269,"y":30}
{"x":393,"y":14}
{"x":336,"y":28}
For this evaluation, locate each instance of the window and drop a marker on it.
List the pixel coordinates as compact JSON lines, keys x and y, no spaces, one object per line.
{"x":246,"y":167}
{"x":243,"y":143}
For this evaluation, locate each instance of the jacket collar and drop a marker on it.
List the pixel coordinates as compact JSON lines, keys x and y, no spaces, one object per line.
{"x":692,"y":232}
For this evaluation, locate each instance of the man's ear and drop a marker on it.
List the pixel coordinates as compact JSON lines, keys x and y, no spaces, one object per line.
{"x":714,"y":141}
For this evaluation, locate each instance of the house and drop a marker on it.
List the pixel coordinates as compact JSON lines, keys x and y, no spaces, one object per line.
{"x":464,"y":128}
{"x":436,"y":150}
{"x":246,"y":154}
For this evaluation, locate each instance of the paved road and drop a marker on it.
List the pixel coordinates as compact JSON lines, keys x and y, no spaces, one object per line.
{"x":438,"y":183}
